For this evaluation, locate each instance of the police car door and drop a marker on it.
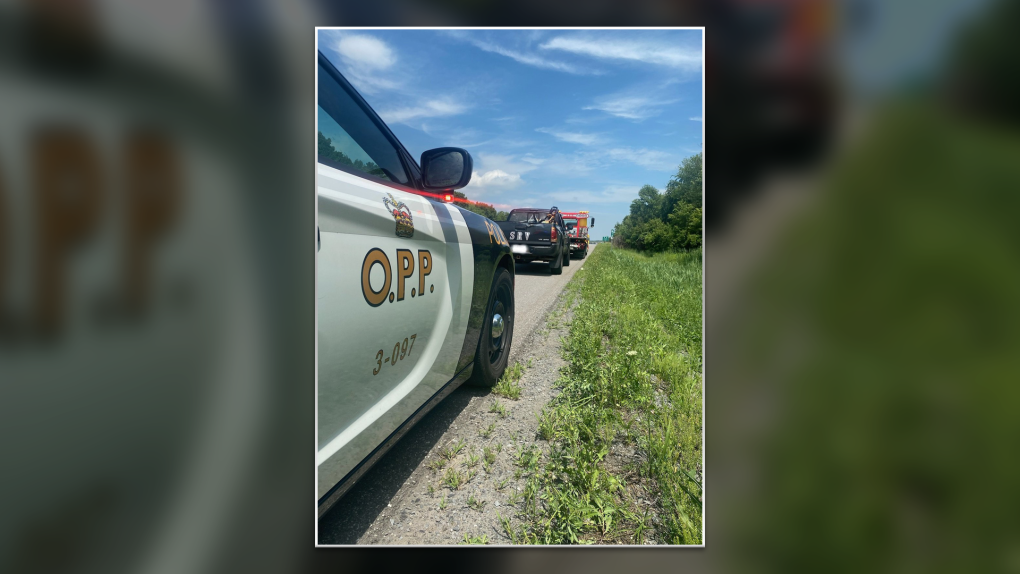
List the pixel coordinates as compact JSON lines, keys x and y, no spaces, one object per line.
{"x":391,"y":269}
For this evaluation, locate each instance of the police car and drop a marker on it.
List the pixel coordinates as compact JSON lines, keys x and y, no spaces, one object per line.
{"x":414,"y":295}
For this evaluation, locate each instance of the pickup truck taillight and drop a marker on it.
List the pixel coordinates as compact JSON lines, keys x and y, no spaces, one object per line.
{"x":553,"y":235}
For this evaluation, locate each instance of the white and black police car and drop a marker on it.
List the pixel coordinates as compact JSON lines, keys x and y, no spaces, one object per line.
{"x":414,"y":294}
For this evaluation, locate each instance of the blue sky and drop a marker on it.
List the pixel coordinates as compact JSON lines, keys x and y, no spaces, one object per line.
{"x":580,"y":119}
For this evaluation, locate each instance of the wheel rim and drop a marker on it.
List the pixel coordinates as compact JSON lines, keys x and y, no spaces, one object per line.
{"x":497,"y":325}
{"x":502,"y":308}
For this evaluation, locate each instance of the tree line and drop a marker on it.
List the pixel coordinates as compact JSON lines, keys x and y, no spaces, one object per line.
{"x":327,"y":151}
{"x":483,"y":209}
{"x":668,"y":221}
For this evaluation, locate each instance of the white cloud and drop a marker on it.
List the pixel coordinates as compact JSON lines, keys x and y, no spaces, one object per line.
{"x":487,"y":162}
{"x":367,"y":61}
{"x":363,"y":57}
{"x":608,"y":194}
{"x":695,"y":118}
{"x":661,"y":53}
{"x":496,"y":177}
{"x":494,"y":173}
{"x":572,"y":137}
{"x":578,"y":163}
{"x":453,"y":135}
{"x":476,"y":144}
{"x":365,"y":52}
{"x":496,"y":180}
{"x":429,"y":109}
{"x":647,"y":158}
{"x":630,"y":106}
{"x":530,"y":59}
{"x":368,"y":83}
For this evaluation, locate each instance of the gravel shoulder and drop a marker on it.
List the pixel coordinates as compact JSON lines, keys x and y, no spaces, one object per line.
{"x":411,"y":496}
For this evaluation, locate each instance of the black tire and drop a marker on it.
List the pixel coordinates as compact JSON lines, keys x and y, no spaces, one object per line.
{"x":566,"y":256}
{"x":584,"y":253}
{"x":492,"y":355}
{"x":556,"y":267}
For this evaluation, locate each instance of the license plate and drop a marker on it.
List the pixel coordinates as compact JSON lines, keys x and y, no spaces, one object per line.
{"x":519,"y":248}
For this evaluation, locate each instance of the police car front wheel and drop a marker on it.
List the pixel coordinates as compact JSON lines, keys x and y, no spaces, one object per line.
{"x":497,"y":332}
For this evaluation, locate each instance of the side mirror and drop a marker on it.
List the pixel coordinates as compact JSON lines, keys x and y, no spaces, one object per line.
{"x":592,"y":224}
{"x":445,"y":168}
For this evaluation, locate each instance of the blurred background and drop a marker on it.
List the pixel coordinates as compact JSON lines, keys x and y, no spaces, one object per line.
{"x":157,"y":284}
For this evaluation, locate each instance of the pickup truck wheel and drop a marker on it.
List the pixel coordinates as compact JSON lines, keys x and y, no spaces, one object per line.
{"x":566,"y":257}
{"x":497,"y":333}
{"x":556,"y":267}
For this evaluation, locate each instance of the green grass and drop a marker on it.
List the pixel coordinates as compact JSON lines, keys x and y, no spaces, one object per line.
{"x":634,"y":348}
{"x":498,"y":408}
{"x":453,"y":479}
{"x":513,"y":498}
{"x":488,"y":459}
{"x":510,"y":531}
{"x":547,"y":423}
{"x":897,"y":292}
{"x":483,"y":539}
{"x":474,"y":503}
{"x":487,"y":431}
{"x":508,"y":385}
{"x":529,"y":458}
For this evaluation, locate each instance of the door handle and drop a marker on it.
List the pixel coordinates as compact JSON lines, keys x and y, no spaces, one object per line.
{"x":318,"y":239}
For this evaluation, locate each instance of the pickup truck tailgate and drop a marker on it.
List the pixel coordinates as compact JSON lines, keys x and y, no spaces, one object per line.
{"x":527,"y":233}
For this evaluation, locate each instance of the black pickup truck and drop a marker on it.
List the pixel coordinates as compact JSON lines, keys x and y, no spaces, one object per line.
{"x":538,"y":235}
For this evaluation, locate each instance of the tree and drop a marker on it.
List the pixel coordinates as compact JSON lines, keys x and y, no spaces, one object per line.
{"x":977,"y":75}
{"x":483,"y":209}
{"x":686,"y":223}
{"x":655,"y":235}
{"x":669,"y":221}
{"x":330,"y":153}
{"x":626,"y":232}
{"x":648,"y":205}
{"x":684,"y":186}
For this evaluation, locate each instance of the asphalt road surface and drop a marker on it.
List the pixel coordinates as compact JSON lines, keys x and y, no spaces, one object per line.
{"x":367,"y":502}
{"x":534,"y":293}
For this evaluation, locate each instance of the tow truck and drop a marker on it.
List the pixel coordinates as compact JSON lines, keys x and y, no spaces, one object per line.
{"x":577,"y":231}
